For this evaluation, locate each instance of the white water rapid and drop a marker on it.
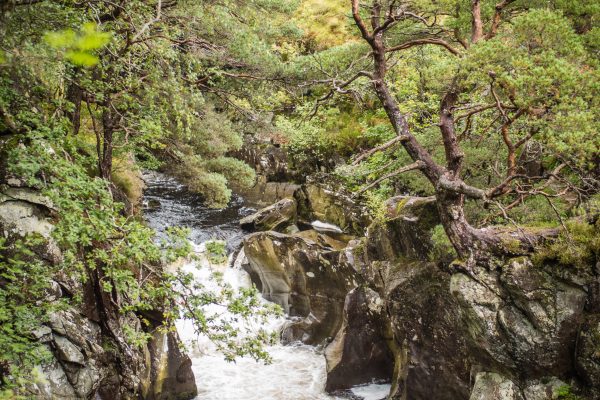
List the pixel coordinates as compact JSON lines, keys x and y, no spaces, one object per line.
{"x":297,"y":371}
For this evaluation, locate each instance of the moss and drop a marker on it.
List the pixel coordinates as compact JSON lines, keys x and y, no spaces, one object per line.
{"x":126,"y":176}
{"x":579,"y":247}
{"x":565,"y":393}
{"x":401,"y":205}
{"x":512,"y":245}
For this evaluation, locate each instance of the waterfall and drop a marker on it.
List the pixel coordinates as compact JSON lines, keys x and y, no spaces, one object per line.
{"x":297,"y":371}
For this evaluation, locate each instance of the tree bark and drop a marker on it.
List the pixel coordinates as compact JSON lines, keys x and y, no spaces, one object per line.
{"x":108,"y":128}
{"x":75,"y":96}
{"x":476,"y":23}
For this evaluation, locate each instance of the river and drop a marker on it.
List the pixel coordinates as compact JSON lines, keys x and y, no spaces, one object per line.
{"x":297,"y":371}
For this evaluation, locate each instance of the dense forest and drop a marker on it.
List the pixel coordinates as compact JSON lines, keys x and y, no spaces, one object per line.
{"x":489,"y":107}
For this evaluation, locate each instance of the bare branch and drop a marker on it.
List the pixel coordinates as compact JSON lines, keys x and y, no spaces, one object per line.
{"x":149,"y":23}
{"x":454,"y":155}
{"x":339,"y":88}
{"x":497,"y":18}
{"x":421,"y":42}
{"x":385,"y":146}
{"x":359,"y":22}
{"x":459,"y":186}
{"x":407,"y":168}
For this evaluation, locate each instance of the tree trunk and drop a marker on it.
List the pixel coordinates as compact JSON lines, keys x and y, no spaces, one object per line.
{"x":470,"y":243}
{"x":75,"y":96}
{"x":108,"y":128}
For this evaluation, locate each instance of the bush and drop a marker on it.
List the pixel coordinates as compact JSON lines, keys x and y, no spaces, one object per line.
{"x":216,"y":251}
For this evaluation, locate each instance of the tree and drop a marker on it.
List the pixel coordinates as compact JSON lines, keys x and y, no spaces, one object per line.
{"x":531,"y":80}
{"x":87,"y":84}
{"x":153,"y":79}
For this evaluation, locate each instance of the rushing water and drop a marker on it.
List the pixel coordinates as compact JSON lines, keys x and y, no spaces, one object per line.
{"x":297,"y":371}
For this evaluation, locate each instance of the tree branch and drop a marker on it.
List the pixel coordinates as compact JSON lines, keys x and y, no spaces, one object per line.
{"x":359,"y":22}
{"x":421,"y":42}
{"x":407,"y":168}
{"x":497,"y":18}
{"x":476,"y":24}
{"x":382,"y":147}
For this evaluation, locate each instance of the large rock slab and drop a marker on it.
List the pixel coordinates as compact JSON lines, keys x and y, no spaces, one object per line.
{"x":492,"y":386}
{"x":171,"y":376}
{"x":328,"y":202}
{"x":359,"y":354}
{"x":304,"y":278}
{"x":432,"y":357}
{"x":275,"y":217}
{"x":406,"y":231}
{"x":521,"y":318}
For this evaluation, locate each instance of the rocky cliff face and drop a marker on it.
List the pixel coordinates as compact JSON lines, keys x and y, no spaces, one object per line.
{"x":87,"y":361}
{"x":511,"y":330}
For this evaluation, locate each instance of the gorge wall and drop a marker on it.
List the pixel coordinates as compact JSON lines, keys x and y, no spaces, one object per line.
{"x":90,"y":356}
{"x":370,"y":293}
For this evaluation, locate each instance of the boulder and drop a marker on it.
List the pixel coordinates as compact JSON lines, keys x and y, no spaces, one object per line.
{"x":25,"y":211}
{"x":492,"y":386}
{"x":544,"y":389}
{"x":329,"y":202}
{"x":265,"y":193}
{"x":521,"y":318}
{"x":267,"y":158}
{"x":432,"y":358}
{"x":275,"y":217}
{"x":79,"y":357}
{"x":55,"y":384}
{"x":171,"y":376}
{"x":304,"y":278}
{"x":406,"y":231}
{"x":326,"y":240}
{"x":67,"y":351}
{"x":359,"y":354}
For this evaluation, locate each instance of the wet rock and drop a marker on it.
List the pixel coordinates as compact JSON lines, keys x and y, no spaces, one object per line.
{"x":268,"y":159}
{"x":25,"y":211}
{"x":171,"y":376}
{"x":521,"y":318}
{"x":43,"y":334}
{"x":432,"y":358}
{"x":266,"y":193}
{"x":544,"y":389}
{"x":492,"y":386}
{"x":67,"y":351}
{"x":587,"y":361}
{"x":359,"y":353}
{"x":78,"y":329}
{"x":55,"y":384}
{"x":275,"y":217}
{"x":304,"y":278}
{"x":406,"y":232}
{"x":330,"y":241}
{"x":329,"y":202}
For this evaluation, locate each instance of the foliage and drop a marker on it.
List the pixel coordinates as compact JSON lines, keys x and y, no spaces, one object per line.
{"x":324,"y":23}
{"x":578,"y":247}
{"x":532,"y":82}
{"x":159,"y":84}
{"x":442,"y":248}
{"x":217,"y":252}
{"x":564,"y":393}
{"x":80,"y":46}
{"x":24,"y":288}
{"x":102,"y":247}
{"x":375,"y":202}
